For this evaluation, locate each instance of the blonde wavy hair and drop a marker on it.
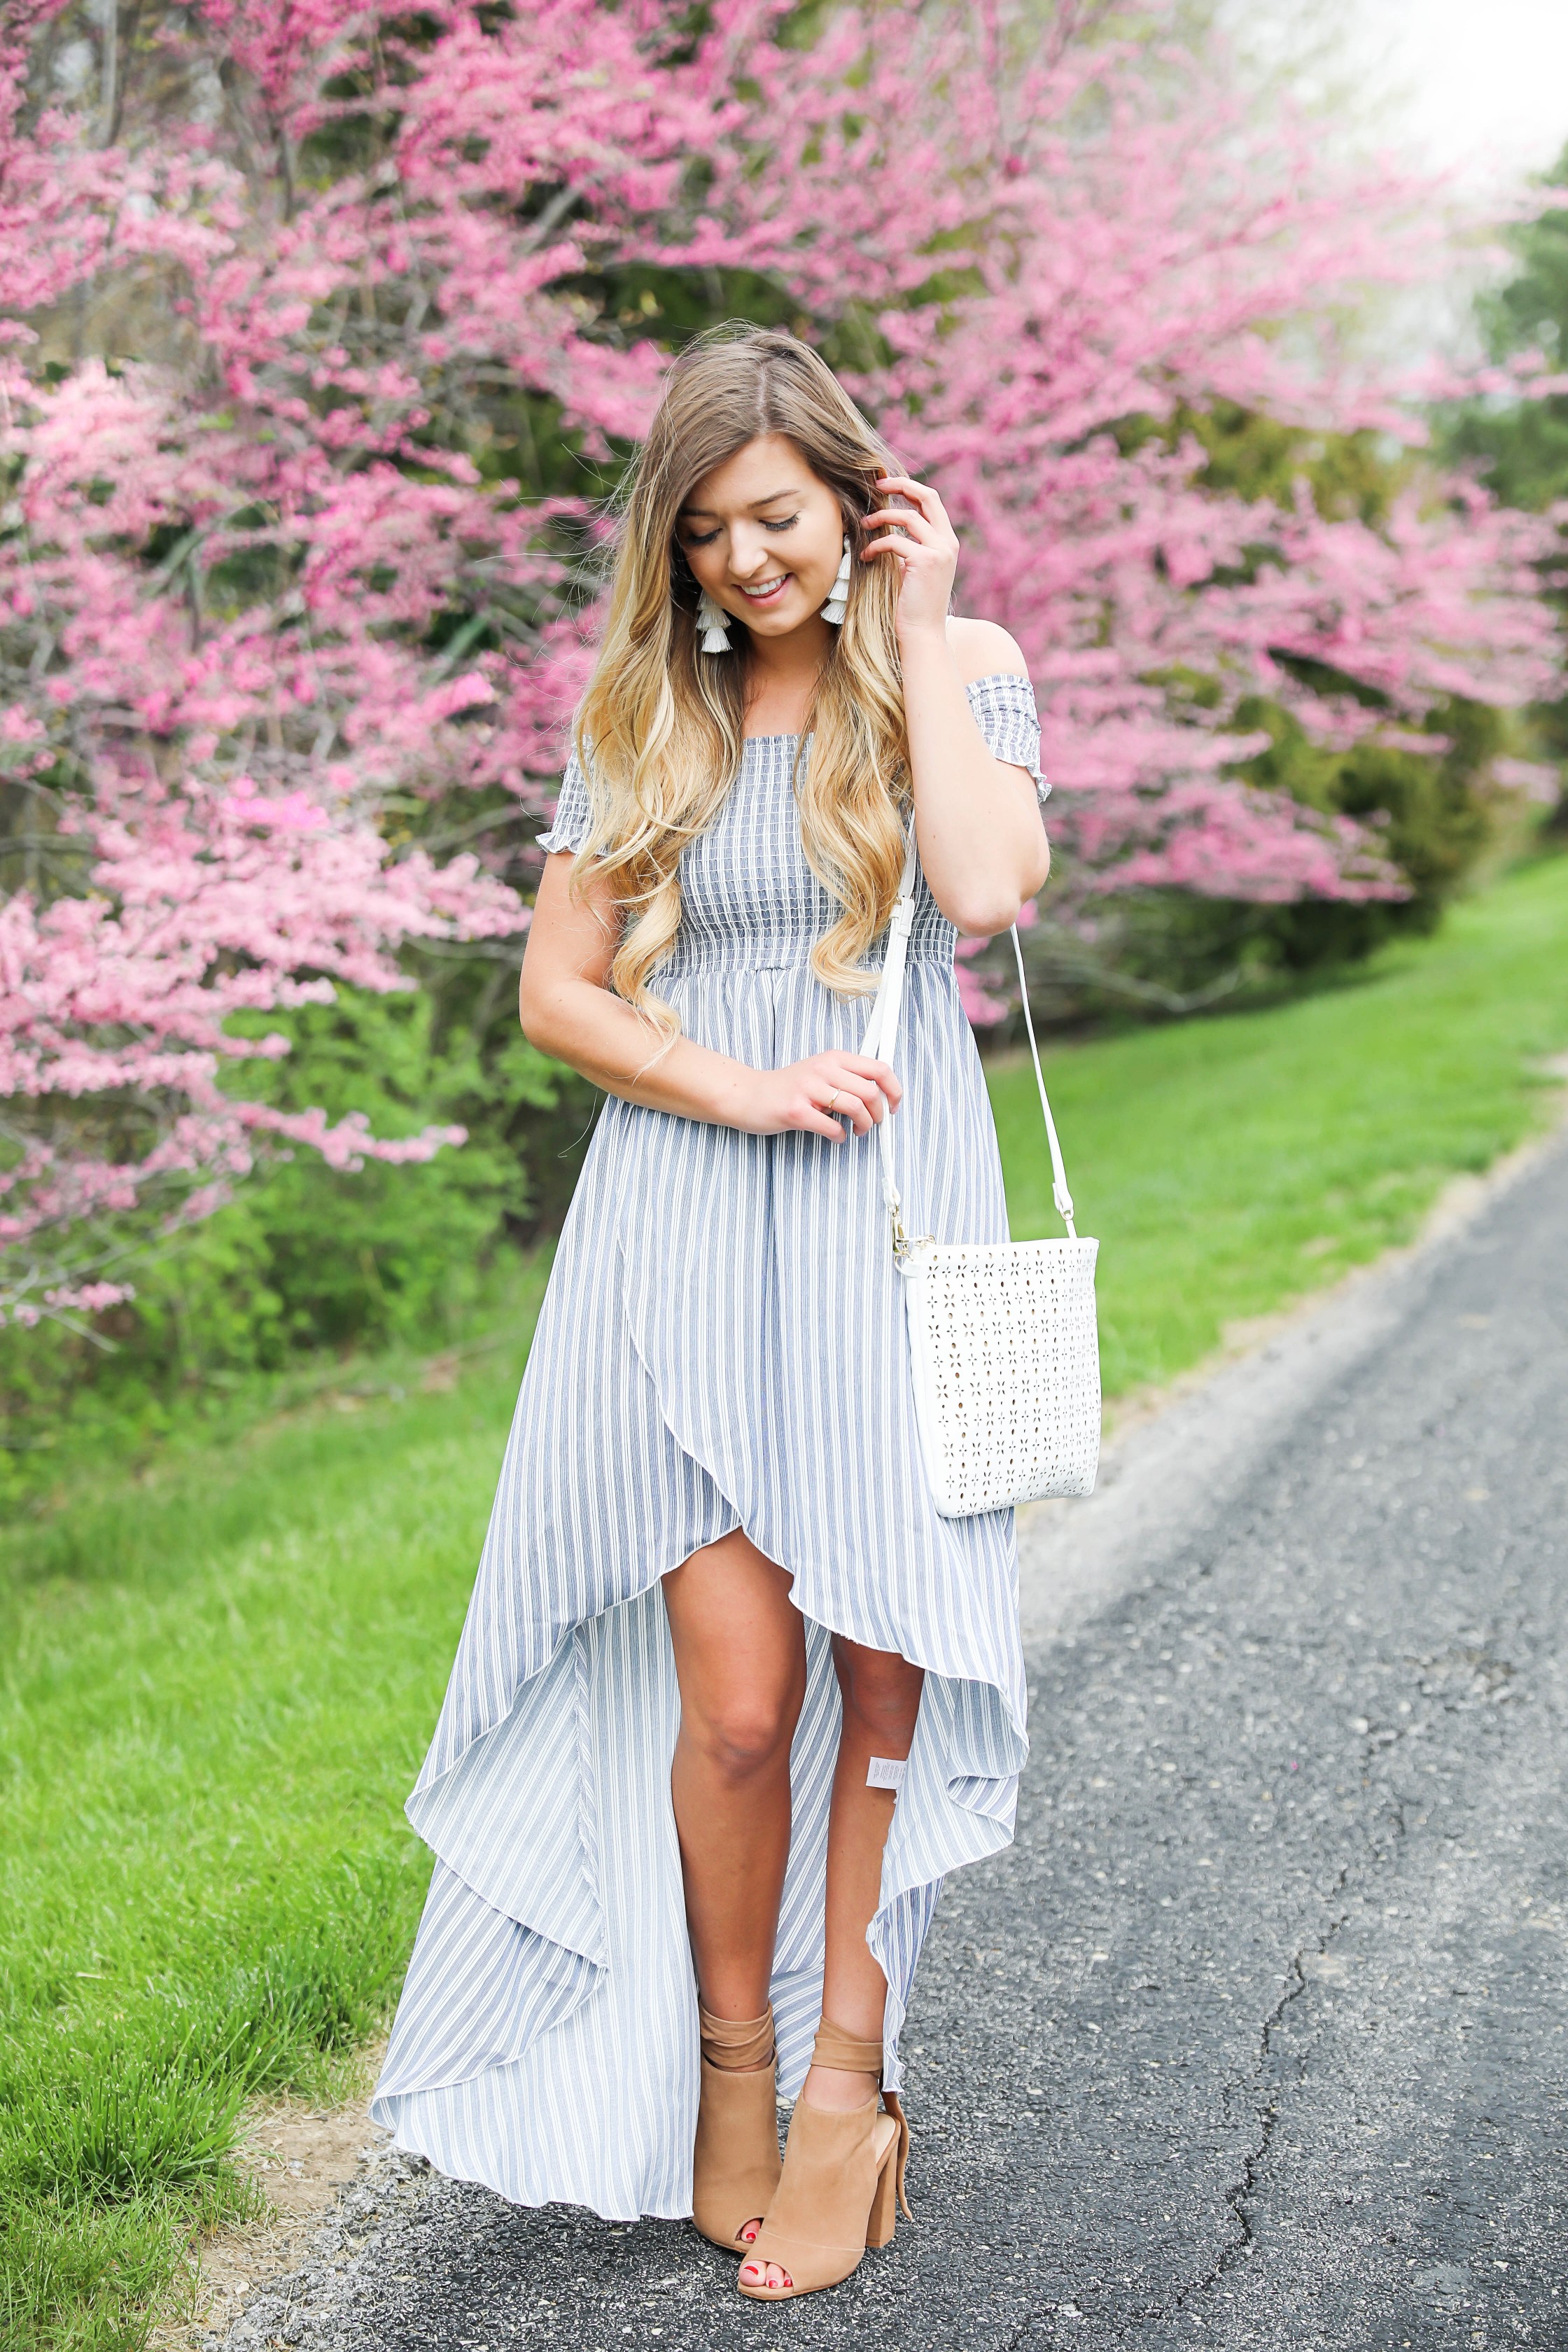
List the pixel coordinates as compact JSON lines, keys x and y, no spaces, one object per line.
{"x":659,"y":730}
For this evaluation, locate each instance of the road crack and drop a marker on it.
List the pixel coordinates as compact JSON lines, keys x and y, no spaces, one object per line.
{"x":1242,"y":2191}
{"x":1241,"y":2194}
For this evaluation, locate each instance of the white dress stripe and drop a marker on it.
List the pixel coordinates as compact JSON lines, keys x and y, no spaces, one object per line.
{"x":722,"y":1345}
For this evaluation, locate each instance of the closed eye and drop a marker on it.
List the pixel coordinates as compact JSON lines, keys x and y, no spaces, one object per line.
{"x":707,"y":537}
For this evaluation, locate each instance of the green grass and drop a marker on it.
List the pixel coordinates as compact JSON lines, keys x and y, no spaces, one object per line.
{"x":219,"y":1678}
{"x":1228,"y":1165}
{"x":220,"y":1671}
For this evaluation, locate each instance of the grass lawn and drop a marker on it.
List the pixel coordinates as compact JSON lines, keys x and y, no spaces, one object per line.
{"x":220,"y":1672}
{"x":1228,"y":1165}
{"x":219,"y":1679}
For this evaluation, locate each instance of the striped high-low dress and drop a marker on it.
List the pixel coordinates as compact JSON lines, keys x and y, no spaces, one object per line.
{"x":722,"y":1345}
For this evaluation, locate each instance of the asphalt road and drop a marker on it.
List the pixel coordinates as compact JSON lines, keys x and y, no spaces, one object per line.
{"x":1256,"y":2037}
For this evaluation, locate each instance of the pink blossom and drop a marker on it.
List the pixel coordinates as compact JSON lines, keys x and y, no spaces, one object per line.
{"x":1533,"y":778}
{"x":1041,"y":239}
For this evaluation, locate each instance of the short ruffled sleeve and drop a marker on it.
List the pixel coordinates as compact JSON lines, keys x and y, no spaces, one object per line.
{"x":569,"y":825}
{"x":1004,"y":707}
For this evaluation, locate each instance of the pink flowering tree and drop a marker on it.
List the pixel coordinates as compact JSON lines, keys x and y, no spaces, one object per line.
{"x":225,"y":721}
{"x":328,"y":324}
{"x":1080,"y":265}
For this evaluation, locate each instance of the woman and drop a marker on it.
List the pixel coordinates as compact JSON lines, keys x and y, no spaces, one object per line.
{"x":732,"y":1697}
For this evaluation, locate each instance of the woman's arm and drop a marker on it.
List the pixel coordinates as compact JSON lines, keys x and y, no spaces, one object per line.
{"x":567,"y":1010}
{"x":977,"y":821}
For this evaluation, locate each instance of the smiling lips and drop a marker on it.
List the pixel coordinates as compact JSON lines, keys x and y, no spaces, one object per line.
{"x":769,"y":589}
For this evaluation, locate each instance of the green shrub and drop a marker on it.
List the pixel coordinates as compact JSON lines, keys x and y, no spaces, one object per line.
{"x":306,"y":1259}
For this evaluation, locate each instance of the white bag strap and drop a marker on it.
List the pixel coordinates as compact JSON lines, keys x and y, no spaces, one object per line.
{"x":882,"y":1037}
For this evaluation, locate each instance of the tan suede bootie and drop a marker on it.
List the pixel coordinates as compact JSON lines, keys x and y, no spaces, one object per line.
{"x":735,"y":2164}
{"x":842,"y":2176}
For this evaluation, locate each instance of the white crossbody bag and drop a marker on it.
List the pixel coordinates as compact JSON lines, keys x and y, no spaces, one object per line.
{"x":1003,"y":1346}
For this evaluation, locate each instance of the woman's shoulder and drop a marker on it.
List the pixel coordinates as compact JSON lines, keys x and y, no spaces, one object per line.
{"x":984,"y":649}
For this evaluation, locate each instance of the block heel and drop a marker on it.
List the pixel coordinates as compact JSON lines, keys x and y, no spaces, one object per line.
{"x":884,"y":2217}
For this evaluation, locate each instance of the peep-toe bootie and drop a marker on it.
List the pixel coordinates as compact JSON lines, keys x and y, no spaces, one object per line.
{"x":735,"y":2163}
{"x":843,"y":2174}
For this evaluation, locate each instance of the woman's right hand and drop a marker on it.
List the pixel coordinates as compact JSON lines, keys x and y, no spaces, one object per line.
{"x":860,"y":1090}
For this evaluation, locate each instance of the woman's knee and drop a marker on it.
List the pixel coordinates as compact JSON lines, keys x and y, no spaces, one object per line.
{"x":740,"y":1655}
{"x":880,"y":1690}
{"x":746,"y":1727}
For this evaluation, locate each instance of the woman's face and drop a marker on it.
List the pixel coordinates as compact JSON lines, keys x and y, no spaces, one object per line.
{"x":763,"y":536}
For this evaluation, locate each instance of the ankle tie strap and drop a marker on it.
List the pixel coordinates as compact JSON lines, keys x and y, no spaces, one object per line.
{"x":736,"y":2043}
{"x":848,"y":2052}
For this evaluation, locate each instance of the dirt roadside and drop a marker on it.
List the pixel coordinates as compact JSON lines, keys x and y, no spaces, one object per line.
{"x":300,"y":2157}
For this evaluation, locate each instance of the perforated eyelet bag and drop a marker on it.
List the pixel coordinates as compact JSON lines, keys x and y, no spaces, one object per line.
{"x":1003,"y":1345}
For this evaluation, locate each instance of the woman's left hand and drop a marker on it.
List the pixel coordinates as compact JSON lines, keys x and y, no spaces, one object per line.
{"x":927,"y":556}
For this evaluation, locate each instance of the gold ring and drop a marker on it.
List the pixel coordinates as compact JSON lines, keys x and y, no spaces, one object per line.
{"x":832,"y":1098}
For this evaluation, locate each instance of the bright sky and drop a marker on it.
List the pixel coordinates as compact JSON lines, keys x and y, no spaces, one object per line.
{"x":1479,"y":84}
{"x":1477,"y":89}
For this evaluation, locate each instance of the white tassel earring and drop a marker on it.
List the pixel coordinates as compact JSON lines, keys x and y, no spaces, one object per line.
{"x":714,"y":623}
{"x":838,"y":594}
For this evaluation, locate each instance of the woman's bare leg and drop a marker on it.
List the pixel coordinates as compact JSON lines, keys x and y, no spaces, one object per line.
{"x":740,"y":1658}
{"x":881,"y":1697}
